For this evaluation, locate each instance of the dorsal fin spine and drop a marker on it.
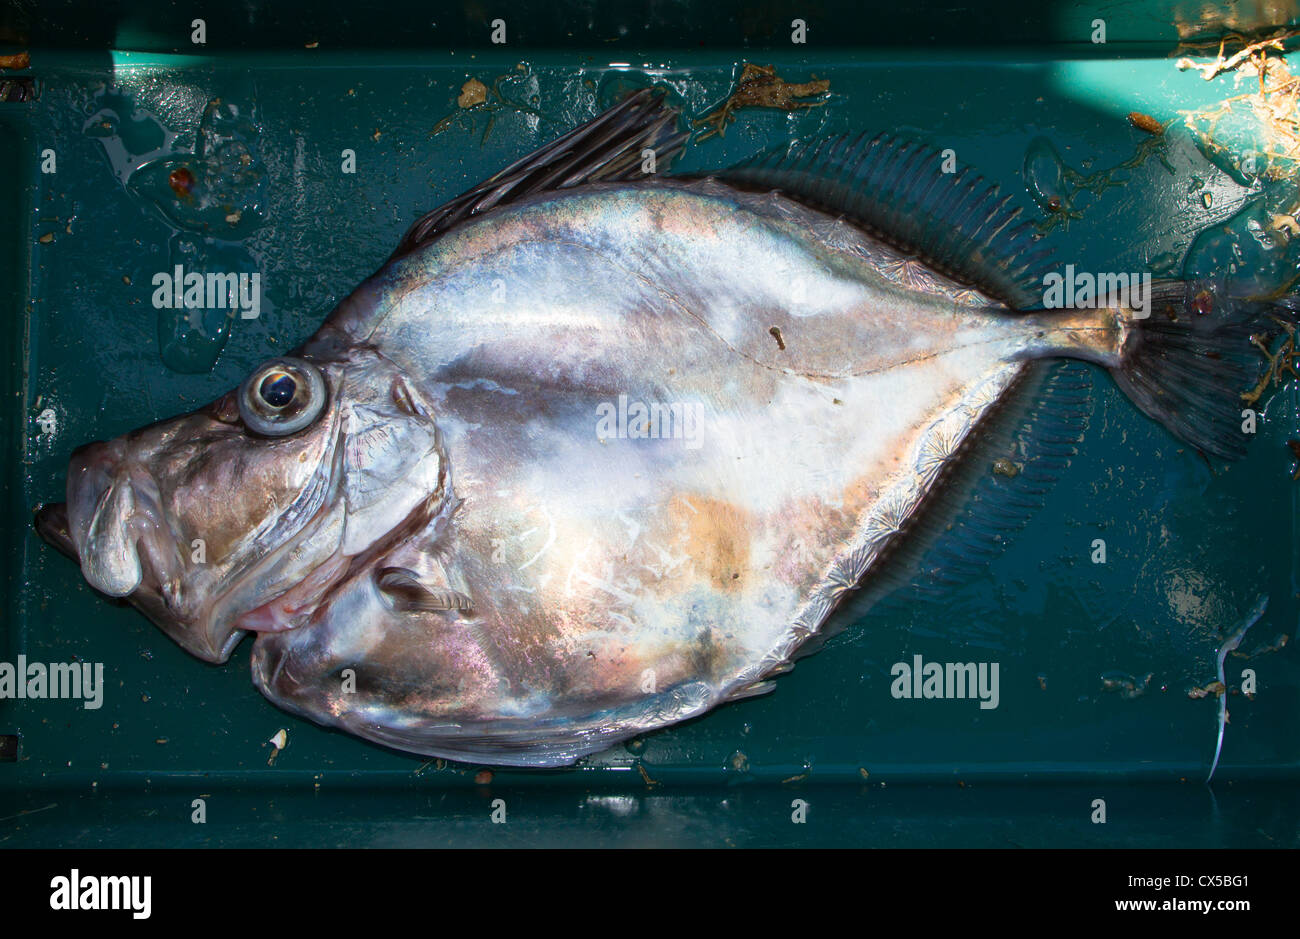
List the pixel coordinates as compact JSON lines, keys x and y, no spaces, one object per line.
{"x":605,"y":149}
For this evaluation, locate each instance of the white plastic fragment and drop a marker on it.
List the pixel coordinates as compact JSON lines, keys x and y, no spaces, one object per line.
{"x":1228,"y":645}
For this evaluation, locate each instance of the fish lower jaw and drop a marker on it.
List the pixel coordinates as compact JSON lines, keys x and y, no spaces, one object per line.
{"x":204,"y":642}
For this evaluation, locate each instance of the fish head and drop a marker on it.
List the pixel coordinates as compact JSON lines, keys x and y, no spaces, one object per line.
{"x":244,"y":514}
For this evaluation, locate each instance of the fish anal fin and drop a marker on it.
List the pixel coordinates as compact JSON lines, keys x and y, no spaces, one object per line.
{"x":996,"y":484}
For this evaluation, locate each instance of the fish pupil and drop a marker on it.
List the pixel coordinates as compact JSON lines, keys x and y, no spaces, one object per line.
{"x":277,"y":389}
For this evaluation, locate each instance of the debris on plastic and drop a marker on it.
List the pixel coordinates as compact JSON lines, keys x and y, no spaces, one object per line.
{"x":1229,"y":644}
{"x":182,"y":182}
{"x":223,"y":177}
{"x":760,"y":87}
{"x":1055,"y":186}
{"x":1277,"y":645}
{"x":437,"y":763}
{"x":278,"y":743}
{"x":1285,"y":223}
{"x":15,"y":90}
{"x":1004,"y":466}
{"x":1127,"y":686}
{"x":1280,"y":361}
{"x":1145,"y":122}
{"x":503,"y":94}
{"x":1294,"y":447}
{"x":1249,"y":51}
{"x":472,"y":94}
{"x":1254,"y":134}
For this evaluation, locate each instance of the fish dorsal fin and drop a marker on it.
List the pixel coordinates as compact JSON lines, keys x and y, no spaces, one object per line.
{"x":608,"y":148}
{"x":897,"y":190}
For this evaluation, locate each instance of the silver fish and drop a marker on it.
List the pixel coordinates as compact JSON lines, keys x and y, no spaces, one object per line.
{"x":596,"y":451}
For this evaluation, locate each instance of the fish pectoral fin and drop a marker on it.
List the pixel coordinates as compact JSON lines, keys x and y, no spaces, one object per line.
{"x":608,"y":148}
{"x":407,"y":592}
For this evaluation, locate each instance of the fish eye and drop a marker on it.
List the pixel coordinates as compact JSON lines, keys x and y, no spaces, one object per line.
{"x":282,"y":397}
{"x":278,"y":389}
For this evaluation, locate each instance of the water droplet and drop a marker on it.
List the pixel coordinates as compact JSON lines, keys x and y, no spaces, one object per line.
{"x":128,"y":134}
{"x":1045,"y":175}
{"x":1165,"y":264}
{"x":220,"y":189}
{"x":190,"y":338}
{"x":1248,"y":248}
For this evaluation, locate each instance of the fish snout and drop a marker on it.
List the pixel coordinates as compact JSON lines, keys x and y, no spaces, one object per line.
{"x":107,"y":514}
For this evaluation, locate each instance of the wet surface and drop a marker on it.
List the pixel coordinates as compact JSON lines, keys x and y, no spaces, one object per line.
{"x":1190,"y":546}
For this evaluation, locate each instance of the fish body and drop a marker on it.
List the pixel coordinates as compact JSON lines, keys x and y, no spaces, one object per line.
{"x":589,"y":462}
{"x":615,"y":583}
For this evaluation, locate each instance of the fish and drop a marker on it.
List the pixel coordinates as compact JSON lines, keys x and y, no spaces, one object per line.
{"x":600,"y":448}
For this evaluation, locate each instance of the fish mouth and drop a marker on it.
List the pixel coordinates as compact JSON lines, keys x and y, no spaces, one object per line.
{"x":106,"y":518}
{"x":113,"y":527}
{"x":54,"y":528}
{"x":111,"y":522}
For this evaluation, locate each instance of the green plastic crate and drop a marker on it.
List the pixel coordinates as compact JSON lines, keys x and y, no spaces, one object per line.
{"x":1190,"y":548}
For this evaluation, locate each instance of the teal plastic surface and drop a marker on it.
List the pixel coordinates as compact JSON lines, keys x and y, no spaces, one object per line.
{"x":1190,"y":546}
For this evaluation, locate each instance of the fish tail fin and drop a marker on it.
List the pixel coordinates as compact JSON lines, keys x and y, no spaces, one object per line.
{"x":1194,"y":362}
